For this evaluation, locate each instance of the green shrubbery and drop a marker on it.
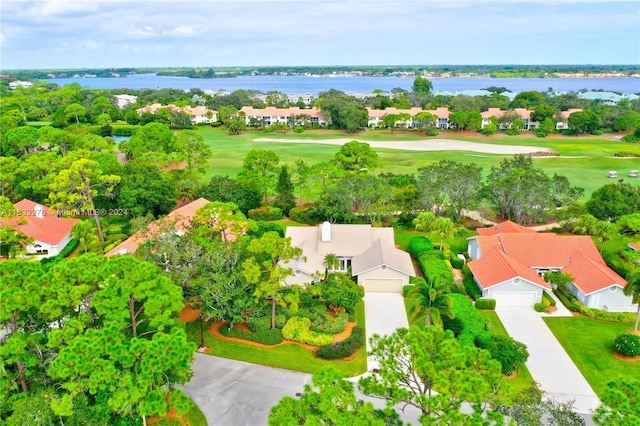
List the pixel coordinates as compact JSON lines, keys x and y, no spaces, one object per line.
{"x":48,"y":262}
{"x":470,"y":284}
{"x":419,"y":245}
{"x":297,"y":329}
{"x":266,"y":213}
{"x":574,"y":305}
{"x":330,"y":325}
{"x":339,"y":291}
{"x":270,"y":336}
{"x":303,"y":214}
{"x":344,"y":348}
{"x":539,"y":307}
{"x":508,"y":352}
{"x":547,"y":299}
{"x":256,"y":324}
{"x":436,"y":270}
{"x":474,"y":323}
{"x":313,"y":311}
{"x":485,"y":304}
{"x":456,"y":262}
{"x":628,"y":344}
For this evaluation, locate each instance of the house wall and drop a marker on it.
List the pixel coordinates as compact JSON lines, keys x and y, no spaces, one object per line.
{"x":378,"y":273}
{"x":473,"y":249}
{"x":511,"y":286}
{"x":610,"y":300}
{"x":299,"y":279}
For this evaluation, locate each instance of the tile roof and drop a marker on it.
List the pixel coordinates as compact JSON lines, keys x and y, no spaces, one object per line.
{"x":635,"y":246}
{"x":505,"y":227}
{"x":535,"y":250}
{"x":179,"y":219}
{"x":495,"y":268}
{"x":280,"y":112}
{"x":590,"y":276}
{"x":582,"y":244}
{"x":46,"y":228}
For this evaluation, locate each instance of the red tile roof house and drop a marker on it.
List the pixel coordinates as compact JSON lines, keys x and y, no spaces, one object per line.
{"x":634,"y":246}
{"x":288,"y":116}
{"x":369,"y":252}
{"x":509,"y":262}
{"x":50,"y":233}
{"x":180,"y":219}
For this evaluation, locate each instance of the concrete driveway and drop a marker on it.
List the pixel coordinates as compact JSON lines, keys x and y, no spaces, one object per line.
{"x":548,"y":362}
{"x":384,"y":313}
{"x":236,"y":393}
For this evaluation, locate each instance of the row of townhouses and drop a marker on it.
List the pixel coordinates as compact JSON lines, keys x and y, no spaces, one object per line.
{"x":199,"y":114}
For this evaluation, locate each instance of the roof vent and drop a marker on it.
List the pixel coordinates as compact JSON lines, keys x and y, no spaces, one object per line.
{"x":326,"y":231}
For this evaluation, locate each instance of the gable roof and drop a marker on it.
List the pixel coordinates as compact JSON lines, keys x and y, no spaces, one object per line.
{"x":495,"y":268}
{"x":590,"y":276}
{"x":635,"y":246}
{"x":179,"y":218}
{"x":46,"y":227}
{"x":353,"y":241}
{"x":505,"y":227}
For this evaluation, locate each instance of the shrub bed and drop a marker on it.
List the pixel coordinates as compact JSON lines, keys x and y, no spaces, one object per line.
{"x":574,"y":305}
{"x":539,"y":307}
{"x":345,"y":348}
{"x":456,"y":262}
{"x":547,"y":299}
{"x":256,"y":324}
{"x":330,"y":325}
{"x":486,"y":304}
{"x":474,"y":322}
{"x":470,"y":284}
{"x":628,"y":344}
{"x":314,"y":312}
{"x":303,"y":214}
{"x":271,"y":336}
{"x":297,"y":329}
{"x":265,"y":213}
{"x":436,"y":270}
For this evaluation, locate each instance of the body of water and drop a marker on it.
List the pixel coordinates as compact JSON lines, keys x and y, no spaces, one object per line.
{"x":315,"y":85}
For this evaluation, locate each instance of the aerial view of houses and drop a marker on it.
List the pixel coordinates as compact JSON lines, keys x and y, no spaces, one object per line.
{"x":223,"y":214}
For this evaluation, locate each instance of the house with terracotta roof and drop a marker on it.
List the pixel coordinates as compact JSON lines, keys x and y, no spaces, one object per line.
{"x":376,"y":116}
{"x":179,"y":220}
{"x":50,"y":232}
{"x":369,"y":253}
{"x":198,"y":114}
{"x":509,"y":262}
{"x":634,"y":246}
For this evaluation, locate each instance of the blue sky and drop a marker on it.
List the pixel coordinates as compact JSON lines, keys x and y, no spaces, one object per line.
{"x":108,"y":33}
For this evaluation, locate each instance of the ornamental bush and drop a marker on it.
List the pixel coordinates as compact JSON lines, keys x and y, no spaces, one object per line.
{"x":456,"y":262}
{"x":297,"y":329}
{"x":470,"y":284}
{"x":330,"y":325}
{"x":303,"y":214}
{"x":257,"y":324}
{"x":486,"y":304}
{"x":344,"y":348}
{"x":474,"y":322}
{"x":266,"y":337}
{"x":341,"y":292}
{"x":539,"y":307}
{"x":509,"y":352}
{"x":266,"y":213}
{"x":628,"y":344}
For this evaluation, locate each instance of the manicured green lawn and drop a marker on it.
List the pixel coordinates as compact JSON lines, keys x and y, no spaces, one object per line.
{"x":593,"y":155}
{"x":289,"y":356}
{"x":402,"y":238}
{"x":589,"y":343}
{"x":195,"y":417}
{"x":523,"y":380}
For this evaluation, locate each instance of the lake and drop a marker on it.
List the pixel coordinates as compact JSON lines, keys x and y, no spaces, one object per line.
{"x":315,"y":85}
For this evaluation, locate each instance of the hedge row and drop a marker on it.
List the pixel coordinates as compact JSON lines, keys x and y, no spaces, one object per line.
{"x":456,"y":262}
{"x":574,"y":305}
{"x":436,"y":270}
{"x":330,"y":325}
{"x":470,"y":284}
{"x":486,"y":304}
{"x":474,"y":330}
{"x":419,"y":245}
{"x":266,"y":337}
{"x":303,"y":214}
{"x":266,"y":213}
{"x":344,"y":348}
{"x":297,"y":329}
{"x":547,"y":300}
{"x":48,"y":262}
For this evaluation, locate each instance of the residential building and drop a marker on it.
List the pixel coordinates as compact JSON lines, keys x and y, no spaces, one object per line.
{"x":509,"y":263}
{"x":291,"y":116}
{"x":123,"y":100}
{"x":50,"y":232}
{"x":365,"y":252}
{"x":199,"y":114}
{"x":18,"y":83}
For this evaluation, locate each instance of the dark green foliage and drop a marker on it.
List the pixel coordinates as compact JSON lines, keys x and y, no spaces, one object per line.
{"x":314,"y":311}
{"x":344,"y":348}
{"x":263,"y":227}
{"x":331,"y":325}
{"x":628,"y":344}
{"x":539,"y":307}
{"x":547,"y":299}
{"x":574,"y":305}
{"x":418,"y":245}
{"x":454,"y":324}
{"x":285,"y":200}
{"x":567,"y":299}
{"x":48,"y":262}
{"x":614,"y":200}
{"x":509,"y":352}
{"x":269,"y":336}
{"x":341,"y":292}
{"x":488,"y":304}
{"x":303,"y":214}
{"x":474,"y":323}
{"x":256,"y":324}
{"x":470,"y":284}
{"x":456,"y":262}
{"x":266,"y":213}
{"x":436,"y":270}
{"x":222,"y":188}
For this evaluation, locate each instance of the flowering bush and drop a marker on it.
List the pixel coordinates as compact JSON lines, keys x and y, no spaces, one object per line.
{"x":628,"y":344}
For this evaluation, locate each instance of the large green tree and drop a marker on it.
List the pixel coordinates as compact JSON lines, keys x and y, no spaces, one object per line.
{"x":355,"y":156}
{"x":620,"y":403}
{"x":610,"y":202}
{"x":285,"y":199}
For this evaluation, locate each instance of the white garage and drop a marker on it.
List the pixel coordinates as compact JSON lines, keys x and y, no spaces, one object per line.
{"x":383,"y":285}
{"x":509,"y":298}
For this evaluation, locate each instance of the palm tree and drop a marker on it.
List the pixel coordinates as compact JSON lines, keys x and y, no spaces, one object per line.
{"x":85,"y":232}
{"x":633,"y":289}
{"x":432,"y":300}
{"x":332,"y":261}
{"x":445,"y":229}
{"x":424,"y":221}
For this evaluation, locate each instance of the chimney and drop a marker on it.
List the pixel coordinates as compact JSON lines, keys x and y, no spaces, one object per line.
{"x":39,"y":211}
{"x":326,"y":232}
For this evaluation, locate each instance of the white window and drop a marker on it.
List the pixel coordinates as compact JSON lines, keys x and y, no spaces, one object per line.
{"x":345,"y":264}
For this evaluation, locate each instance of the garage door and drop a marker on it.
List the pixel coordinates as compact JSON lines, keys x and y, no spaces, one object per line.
{"x":383,"y":285}
{"x":514,"y":298}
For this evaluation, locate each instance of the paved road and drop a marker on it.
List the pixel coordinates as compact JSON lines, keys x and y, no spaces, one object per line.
{"x":236,"y":393}
{"x":548,"y":362}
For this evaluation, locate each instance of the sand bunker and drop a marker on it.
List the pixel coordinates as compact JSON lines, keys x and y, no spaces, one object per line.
{"x":424,"y":145}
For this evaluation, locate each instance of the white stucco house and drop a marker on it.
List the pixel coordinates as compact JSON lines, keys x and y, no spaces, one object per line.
{"x":50,"y":233}
{"x":509,"y":262}
{"x":369,"y":253}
